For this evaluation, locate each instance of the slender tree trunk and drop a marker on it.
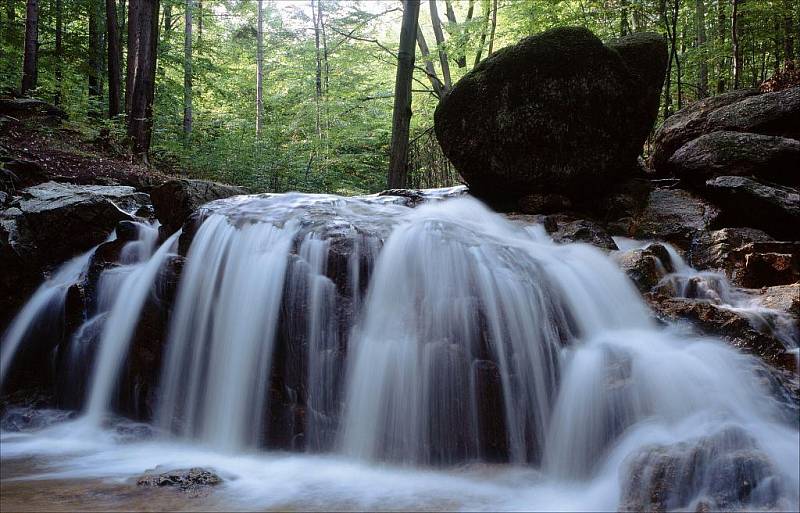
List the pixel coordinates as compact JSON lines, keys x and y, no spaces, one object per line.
{"x":260,"y":70}
{"x":736,"y":47}
{"x":30,"y":64}
{"x":199,"y":25}
{"x":59,"y":51}
{"x":11,"y":16}
{"x":459,"y":32}
{"x":114,"y":85}
{"x":484,"y":30}
{"x":789,"y":31}
{"x":430,"y":70}
{"x":318,"y":58}
{"x":401,"y":115}
{"x":167,"y":20}
{"x":672,"y":54}
{"x":187,"y":70}
{"x":624,"y":27}
{"x":140,"y":121}
{"x":131,"y":65}
{"x":443,"y":59}
{"x":700,"y":12}
{"x":93,"y":61}
{"x":494,"y":27}
{"x":722,"y":67}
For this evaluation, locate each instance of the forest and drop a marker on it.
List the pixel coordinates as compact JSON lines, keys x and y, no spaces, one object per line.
{"x":280,"y":95}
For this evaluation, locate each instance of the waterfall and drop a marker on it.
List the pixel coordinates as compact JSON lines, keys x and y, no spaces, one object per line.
{"x":120,"y":322}
{"x":43,"y":311}
{"x":433,"y":336}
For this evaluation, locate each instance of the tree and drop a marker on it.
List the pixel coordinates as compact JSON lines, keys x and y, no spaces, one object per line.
{"x":187,"y":69}
{"x":30,"y":65}
{"x":142,"y":48}
{"x":94,"y":61}
{"x":114,"y":80}
{"x":401,"y":114}
{"x":700,"y":20}
{"x":260,"y":69}
{"x":736,"y":36}
{"x":59,"y":50}
{"x":443,"y":58}
{"x":722,"y":28}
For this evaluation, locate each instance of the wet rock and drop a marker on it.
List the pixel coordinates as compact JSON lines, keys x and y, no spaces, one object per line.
{"x":738,"y":154}
{"x":194,"y":481}
{"x":710,"y":319}
{"x":174,"y":201}
{"x":688,"y":124}
{"x":766,"y":269}
{"x":645,"y":266}
{"x":29,"y":418}
{"x":721,"y":249}
{"x":784,"y":298}
{"x":747,"y":202}
{"x":723,"y":471}
{"x":573,"y":130}
{"x":673,"y":215}
{"x":564,"y":230}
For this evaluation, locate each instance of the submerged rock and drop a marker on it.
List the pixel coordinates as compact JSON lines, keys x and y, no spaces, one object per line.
{"x":176,"y":200}
{"x":522,"y":122}
{"x":722,"y":471}
{"x":193,"y":481}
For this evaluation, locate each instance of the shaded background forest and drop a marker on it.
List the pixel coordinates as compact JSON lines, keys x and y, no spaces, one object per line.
{"x":324,"y":122}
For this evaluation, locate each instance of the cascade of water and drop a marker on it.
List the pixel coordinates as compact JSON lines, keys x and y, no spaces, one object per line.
{"x":43,"y":311}
{"x":130,"y":294}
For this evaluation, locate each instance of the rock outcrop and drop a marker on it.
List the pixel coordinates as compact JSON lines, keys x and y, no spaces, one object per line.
{"x":557,"y":113}
{"x":174,"y":201}
{"x":673,"y":215}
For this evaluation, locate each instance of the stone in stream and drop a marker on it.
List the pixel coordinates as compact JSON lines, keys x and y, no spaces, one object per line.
{"x":176,"y":200}
{"x":645,"y":266}
{"x":196,"y":482}
{"x":557,"y":113}
{"x":673,"y":215}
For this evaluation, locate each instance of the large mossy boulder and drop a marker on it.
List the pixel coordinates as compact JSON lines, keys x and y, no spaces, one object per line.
{"x":559,"y":112}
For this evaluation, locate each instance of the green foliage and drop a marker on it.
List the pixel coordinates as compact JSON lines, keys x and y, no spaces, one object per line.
{"x":339,"y":141}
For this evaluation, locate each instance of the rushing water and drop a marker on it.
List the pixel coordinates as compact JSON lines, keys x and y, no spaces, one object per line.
{"x":429,"y":358}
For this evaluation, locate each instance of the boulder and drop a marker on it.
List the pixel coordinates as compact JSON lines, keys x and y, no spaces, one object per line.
{"x":776,"y":113}
{"x":688,"y":124}
{"x":28,"y":107}
{"x":522,"y":122}
{"x":766,"y":269}
{"x":673,"y":215}
{"x":783,"y":298}
{"x":20,"y":173}
{"x":747,"y":202}
{"x":564,"y":230}
{"x":720,"y":249}
{"x":739,"y":154}
{"x":65,"y":220}
{"x":176,"y":200}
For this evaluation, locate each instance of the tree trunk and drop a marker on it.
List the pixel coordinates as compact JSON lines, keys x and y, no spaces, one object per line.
{"x":443,"y":59}
{"x":318,"y":75}
{"x":199,"y":24}
{"x":430,"y":70}
{"x":11,"y":16}
{"x":624,"y":28}
{"x":736,"y":46}
{"x":722,"y":68}
{"x":30,"y":65}
{"x":93,"y":61}
{"x":140,"y":120}
{"x":401,"y":115}
{"x":789,"y":31}
{"x":187,"y":70}
{"x":167,"y":20}
{"x":700,"y":11}
{"x":460,"y":32}
{"x":114,"y":86}
{"x":131,"y":66}
{"x":59,"y":55}
{"x":494,"y":27}
{"x":484,"y":29}
{"x":260,"y":69}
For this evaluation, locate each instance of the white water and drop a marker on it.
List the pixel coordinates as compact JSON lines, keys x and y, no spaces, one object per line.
{"x":476,"y":341}
{"x":129,"y":296}
{"x":45,"y":309}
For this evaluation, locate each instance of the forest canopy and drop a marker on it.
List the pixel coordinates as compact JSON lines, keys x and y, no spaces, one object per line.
{"x":323,"y":119}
